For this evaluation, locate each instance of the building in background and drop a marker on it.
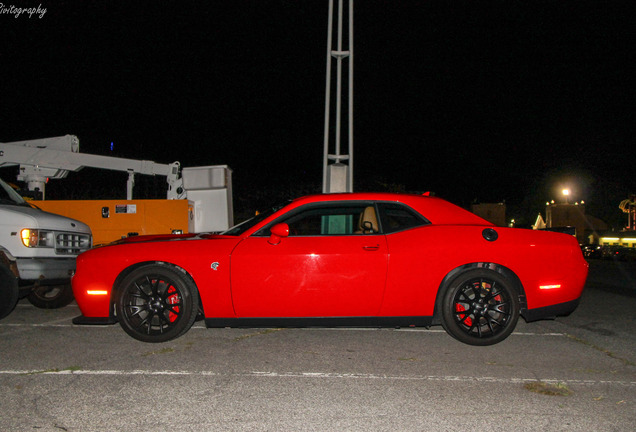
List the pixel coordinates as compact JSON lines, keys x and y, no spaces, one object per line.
{"x":492,"y":212}
{"x":587,"y":228}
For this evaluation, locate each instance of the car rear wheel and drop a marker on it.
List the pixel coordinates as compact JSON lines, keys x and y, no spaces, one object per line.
{"x":156,"y":303}
{"x":51,"y":297}
{"x":480,"y":307}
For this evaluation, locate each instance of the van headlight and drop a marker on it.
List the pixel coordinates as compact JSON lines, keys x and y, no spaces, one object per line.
{"x":37,"y":238}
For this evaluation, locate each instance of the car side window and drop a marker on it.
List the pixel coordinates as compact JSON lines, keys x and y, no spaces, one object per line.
{"x":398,"y":217}
{"x":328,"y":220}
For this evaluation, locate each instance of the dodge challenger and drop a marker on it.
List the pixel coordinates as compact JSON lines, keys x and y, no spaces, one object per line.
{"x":356,"y":259}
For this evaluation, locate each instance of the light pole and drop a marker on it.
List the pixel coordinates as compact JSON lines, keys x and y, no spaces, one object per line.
{"x":338,"y":176}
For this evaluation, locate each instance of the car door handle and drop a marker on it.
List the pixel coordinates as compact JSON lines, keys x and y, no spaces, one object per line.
{"x":371,"y":248}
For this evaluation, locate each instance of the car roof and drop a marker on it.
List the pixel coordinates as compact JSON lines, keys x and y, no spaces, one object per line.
{"x":438,"y":211}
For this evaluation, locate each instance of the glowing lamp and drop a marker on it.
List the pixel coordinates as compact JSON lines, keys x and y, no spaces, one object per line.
{"x":553,"y":286}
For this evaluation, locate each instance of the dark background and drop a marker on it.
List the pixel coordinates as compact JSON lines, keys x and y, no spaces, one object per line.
{"x":484,"y":101}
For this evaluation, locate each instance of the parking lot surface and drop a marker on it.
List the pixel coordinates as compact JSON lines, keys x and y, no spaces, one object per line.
{"x":574,"y":373}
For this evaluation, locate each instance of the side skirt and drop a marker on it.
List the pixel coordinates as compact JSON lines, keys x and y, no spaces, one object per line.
{"x":82,"y":320}
{"x":400,"y":321}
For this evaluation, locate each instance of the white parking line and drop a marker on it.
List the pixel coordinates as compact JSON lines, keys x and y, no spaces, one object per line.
{"x":36,"y":325}
{"x":25,"y":303}
{"x":415,"y":330}
{"x":319,"y":375}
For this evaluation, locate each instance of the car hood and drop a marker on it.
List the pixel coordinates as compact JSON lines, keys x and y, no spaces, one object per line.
{"x":167,"y":237}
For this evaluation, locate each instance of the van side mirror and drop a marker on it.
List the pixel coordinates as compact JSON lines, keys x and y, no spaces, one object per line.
{"x":278,"y":232}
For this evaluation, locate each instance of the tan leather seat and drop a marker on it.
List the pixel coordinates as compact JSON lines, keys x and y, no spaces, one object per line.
{"x":368,"y":223}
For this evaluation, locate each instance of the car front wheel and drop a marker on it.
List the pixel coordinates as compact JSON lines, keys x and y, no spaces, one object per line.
{"x":156,"y":303}
{"x":480,"y":307}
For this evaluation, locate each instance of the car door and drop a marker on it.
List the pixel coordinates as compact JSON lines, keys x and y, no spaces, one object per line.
{"x":328,"y":266}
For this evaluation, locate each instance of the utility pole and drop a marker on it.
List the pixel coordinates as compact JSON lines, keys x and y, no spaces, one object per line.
{"x":337,"y":175}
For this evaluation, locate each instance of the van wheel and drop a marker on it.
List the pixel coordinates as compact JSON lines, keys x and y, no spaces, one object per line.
{"x":51,"y":297}
{"x":8,"y":291}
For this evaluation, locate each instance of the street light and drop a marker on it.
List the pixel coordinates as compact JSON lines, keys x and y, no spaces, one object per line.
{"x":566,"y":193}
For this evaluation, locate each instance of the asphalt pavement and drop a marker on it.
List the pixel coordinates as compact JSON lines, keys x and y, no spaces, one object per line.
{"x":577,"y":373}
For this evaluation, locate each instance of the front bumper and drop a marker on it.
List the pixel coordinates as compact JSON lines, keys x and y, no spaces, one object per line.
{"x":46,"y":269}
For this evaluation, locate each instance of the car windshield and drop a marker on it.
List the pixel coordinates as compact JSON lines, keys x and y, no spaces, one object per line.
{"x":9,"y":196}
{"x":249,"y":223}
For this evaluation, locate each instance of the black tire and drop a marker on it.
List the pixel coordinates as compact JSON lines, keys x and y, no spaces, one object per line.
{"x":156,"y":303}
{"x":8,"y":291}
{"x":480,"y":307}
{"x":51,"y":297}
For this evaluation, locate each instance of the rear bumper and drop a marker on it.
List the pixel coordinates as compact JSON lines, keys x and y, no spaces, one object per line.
{"x":550,"y":312}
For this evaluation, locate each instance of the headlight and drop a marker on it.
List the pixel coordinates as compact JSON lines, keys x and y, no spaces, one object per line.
{"x":37,"y":238}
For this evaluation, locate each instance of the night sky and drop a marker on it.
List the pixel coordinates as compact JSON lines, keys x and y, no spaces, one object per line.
{"x":473,"y":100}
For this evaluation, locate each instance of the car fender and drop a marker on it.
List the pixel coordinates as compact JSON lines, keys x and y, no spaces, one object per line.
{"x":208,"y":265}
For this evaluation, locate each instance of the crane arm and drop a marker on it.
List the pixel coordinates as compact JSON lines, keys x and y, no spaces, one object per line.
{"x":54,"y":157}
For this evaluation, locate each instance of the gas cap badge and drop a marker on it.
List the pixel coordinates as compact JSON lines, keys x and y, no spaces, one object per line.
{"x":490,"y":234}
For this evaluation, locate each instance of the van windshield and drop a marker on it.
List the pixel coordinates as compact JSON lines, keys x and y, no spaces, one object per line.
{"x":9,"y":196}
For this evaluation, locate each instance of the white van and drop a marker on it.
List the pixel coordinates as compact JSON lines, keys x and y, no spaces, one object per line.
{"x":37,"y":253}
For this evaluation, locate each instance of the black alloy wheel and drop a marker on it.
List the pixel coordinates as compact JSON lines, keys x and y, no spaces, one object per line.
{"x":156,"y":303}
{"x":480,"y":307}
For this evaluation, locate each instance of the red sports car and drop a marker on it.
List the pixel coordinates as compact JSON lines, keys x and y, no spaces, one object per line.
{"x":362,"y":259}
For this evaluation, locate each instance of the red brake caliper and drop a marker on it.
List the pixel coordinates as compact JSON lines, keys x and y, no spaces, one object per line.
{"x":460,"y":308}
{"x":173,"y":298}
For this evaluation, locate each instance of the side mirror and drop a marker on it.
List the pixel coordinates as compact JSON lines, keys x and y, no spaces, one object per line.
{"x":278,"y":231}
